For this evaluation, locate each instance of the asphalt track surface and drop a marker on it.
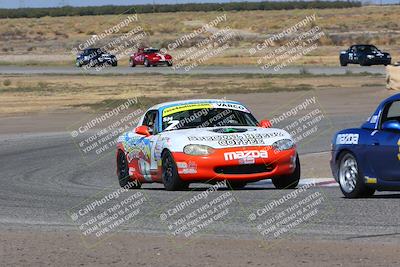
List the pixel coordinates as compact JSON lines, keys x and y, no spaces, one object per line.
{"x":198,"y":70}
{"x":44,"y":178}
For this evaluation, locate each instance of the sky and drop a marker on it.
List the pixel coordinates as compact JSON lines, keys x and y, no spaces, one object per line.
{"x":54,"y":3}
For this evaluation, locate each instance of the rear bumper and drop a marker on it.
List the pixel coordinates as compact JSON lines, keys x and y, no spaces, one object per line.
{"x":224,"y":165}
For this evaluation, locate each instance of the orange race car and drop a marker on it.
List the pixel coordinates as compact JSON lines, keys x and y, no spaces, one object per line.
{"x":182,"y":142}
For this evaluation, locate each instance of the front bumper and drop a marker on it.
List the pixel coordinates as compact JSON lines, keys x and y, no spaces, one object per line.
{"x":333,"y":165}
{"x":219,"y":167}
{"x":161,"y":62}
{"x":379,"y":61}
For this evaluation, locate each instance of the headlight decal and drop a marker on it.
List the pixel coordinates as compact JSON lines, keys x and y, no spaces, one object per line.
{"x":198,"y":150}
{"x":284,"y":144}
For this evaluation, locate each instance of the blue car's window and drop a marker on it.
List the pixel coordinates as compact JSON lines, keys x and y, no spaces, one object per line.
{"x":394,"y":110}
{"x":391,"y":112}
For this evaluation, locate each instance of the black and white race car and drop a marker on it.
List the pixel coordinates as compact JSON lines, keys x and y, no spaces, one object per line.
{"x":94,"y":57}
{"x":365,"y":55}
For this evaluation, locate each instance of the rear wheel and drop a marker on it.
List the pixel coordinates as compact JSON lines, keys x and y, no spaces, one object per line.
{"x":351,"y":179}
{"x":132,"y":63}
{"x":343,"y":63}
{"x":170,"y":176}
{"x":124,"y":178}
{"x":289,"y":181}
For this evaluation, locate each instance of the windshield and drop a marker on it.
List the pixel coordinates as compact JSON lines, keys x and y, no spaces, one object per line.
{"x":207,"y":117}
{"x":149,"y":51}
{"x":367,"y":48}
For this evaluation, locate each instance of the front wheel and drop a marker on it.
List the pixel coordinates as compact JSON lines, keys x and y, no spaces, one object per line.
{"x":124,"y":178}
{"x":170,"y":176}
{"x":132,"y":63}
{"x":343,"y":63}
{"x":289,"y":181}
{"x":351,"y":178}
{"x":147,"y":63}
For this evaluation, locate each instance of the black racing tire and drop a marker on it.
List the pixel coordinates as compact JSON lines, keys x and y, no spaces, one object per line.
{"x":289,"y":181}
{"x":114,"y":64}
{"x":146,"y":63}
{"x":169,"y":175}
{"x":234,"y":185}
{"x":132,"y":63}
{"x":78,"y":64}
{"x":124,"y":179}
{"x":351,"y":177}
{"x":343,"y":63}
{"x":169,"y":64}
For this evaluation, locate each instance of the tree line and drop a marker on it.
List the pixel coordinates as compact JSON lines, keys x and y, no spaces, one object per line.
{"x":114,"y":10}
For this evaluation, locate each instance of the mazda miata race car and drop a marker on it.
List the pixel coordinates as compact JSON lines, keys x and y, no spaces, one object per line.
{"x":177,"y":143}
{"x":94,"y":57}
{"x":368,"y":158}
{"x":365,"y":55}
{"x":149,"y":57}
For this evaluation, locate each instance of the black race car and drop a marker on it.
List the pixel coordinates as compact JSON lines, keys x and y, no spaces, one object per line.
{"x":94,"y":57}
{"x":365,"y":55}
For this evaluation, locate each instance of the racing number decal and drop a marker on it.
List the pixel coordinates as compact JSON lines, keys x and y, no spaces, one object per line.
{"x":398,"y":155}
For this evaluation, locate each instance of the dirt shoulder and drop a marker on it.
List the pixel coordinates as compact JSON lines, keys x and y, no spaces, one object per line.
{"x":23,"y":248}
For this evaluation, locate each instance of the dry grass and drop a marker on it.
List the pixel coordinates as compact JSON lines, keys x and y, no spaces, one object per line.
{"x":42,"y":93}
{"x":57,"y":35}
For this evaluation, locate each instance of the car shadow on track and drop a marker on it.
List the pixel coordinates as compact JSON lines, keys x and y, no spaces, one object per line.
{"x":372,"y":236}
{"x":383,"y":196}
{"x":387,"y":196}
{"x":219,"y":189}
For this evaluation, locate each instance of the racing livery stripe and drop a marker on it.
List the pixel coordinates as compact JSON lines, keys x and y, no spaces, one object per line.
{"x":176,"y":109}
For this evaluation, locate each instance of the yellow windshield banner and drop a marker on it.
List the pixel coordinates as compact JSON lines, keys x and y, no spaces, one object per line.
{"x":175,"y":109}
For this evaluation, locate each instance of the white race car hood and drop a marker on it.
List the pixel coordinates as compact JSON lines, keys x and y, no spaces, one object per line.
{"x":224,"y":137}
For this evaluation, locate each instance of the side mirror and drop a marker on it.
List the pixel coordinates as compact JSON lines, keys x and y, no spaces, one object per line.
{"x":391,"y":125}
{"x":142,"y":130}
{"x":265,"y":124}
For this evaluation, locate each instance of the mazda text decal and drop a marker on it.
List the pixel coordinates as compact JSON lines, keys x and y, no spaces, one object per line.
{"x":347,"y":139}
{"x":250,"y":154}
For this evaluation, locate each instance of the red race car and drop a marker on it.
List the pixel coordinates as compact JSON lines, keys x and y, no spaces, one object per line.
{"x":149,"y":57}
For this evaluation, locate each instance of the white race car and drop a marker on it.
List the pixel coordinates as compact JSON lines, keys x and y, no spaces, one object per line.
{"x":205,"y":140}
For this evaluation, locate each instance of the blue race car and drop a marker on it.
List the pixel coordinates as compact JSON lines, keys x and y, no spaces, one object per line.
{"x":368,"y":158}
